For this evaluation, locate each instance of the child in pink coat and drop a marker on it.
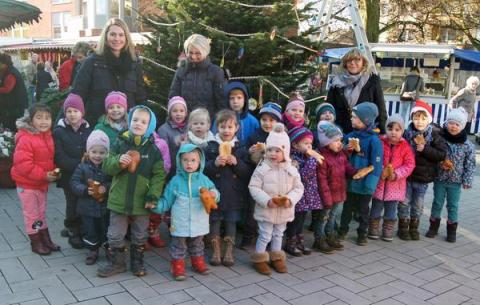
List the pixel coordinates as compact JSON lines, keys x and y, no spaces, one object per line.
{"x":398,"y":164}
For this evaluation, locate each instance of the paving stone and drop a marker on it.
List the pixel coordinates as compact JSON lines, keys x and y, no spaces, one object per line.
{"x":347,"y":296}
{"x":139,"y":289}
{"x":411,"y":289}
{"x":246,"y":279}
{"x":13,"y":270}
{"x":214,"y":283}
{"x":58,"y":295}
{"x":167,"y":299}
{"x":408,"y":298}
{"x":246,"y":302}
{"x":123,"y":298}
{"x":376,"y":279}
{"x":313,"y":286}
{"x":19,"y":297}
{"x":41,"y":301}
{"x":432,"y":274}
{"x":316,"y":298}
{"x":448,"y":298}
{"x":269,"y":299}
{"x":380,"y":293}
{"x":74,"y":280}
{"x":241,"y":293}
{"x":345,"y":283}
{"x":37,"y":283}
{"x":172,"y":286}
{"x":440,"y":286}
{"x":205,"y":296}
{"x":279,"y":289}
{"x":95,"y":292}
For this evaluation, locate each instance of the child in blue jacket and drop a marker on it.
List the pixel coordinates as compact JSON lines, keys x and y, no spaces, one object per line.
{"x":368,"y":153}
{"x":190,"y":220}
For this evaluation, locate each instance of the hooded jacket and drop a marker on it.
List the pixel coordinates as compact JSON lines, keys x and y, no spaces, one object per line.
{"x":248,"y":123}
{"x":182,"y":197}
{"x":129,"y":192}
{"x":172,"y":134}
{"x":104,"y":125}
{"x":33,"y":156}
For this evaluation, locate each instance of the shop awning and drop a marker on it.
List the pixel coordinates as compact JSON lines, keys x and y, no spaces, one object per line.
{"x":469,"y":55}
{"x":16,"y":12}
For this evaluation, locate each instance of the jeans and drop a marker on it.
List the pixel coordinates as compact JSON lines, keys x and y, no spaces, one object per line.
{"x":179,"y":246}
{"x":326,"y":223}
{"x":449,"y":191}
{"x":94,"y":231}
{"x":405,"y":111}
{"x":34,"y":206}
{"x":295,"y":227}
{"x":269,"y":232}
{"x":378,"y":206}
{"x":412,"y":207}
{"x":119,"y":225}
{"x":359,"y":203}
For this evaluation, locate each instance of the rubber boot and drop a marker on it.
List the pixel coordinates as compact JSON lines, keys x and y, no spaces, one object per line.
{"x":403,"y":224}
{"x":291,"y":246}
{"x":260,"y":262}
{"x":278,"y":259}
{"x":177,"y":268}
{"x":374,"y":228}
{"x":452,"y":232}
{"x":301,"y":245}
{"x":321,"y":245}
{"x":38,"y":246}
{"x":115,"y":265}
{"x":413,"y":229}
{"x":228,"y":258}
{"x":387,"y":230}
{"x":47,"y":241}
{"x":433,"y":229}
{"x":333,"y":242}
{"x":199,"y":266}
{"x":92,"y":257}
{"x":136,"y":260}
{"x":154,"y":238}
{"x":215,"y":259}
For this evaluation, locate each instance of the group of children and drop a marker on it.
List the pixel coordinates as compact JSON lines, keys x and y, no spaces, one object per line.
{"x":267,"y":173}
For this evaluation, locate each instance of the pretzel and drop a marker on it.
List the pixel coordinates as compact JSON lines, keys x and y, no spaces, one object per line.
{"x":314,"y":154}
{"x":363,"y":172}
{"x":208,"y":200}
{"x":225,"y":149}
{"x":132,"y":166}
{"x":354,"y":144}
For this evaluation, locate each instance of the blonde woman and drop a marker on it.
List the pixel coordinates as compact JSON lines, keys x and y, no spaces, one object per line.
{"x":197,"y":80}
{"x":354,"y":84}
{"x":466,"y":98}
{"x":113,"y":67}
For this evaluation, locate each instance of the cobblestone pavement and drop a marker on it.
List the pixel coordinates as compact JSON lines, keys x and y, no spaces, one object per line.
{"x":429,"y":271}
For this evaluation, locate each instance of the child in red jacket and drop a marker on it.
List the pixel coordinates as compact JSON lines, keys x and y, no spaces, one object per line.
{"x":33,"y":169}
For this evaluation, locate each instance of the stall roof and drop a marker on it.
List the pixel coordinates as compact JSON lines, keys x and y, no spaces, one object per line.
{"x":469,"y":55}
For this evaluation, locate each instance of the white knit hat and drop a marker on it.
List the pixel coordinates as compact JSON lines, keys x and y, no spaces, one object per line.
{"x":279,"y":138}
{"x":458,"y":115}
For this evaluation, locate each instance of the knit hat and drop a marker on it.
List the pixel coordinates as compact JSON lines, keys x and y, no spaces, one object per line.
{"x":458,"y":115}
{"x":322,"y":108}
{"x":327,"y":133}
{"x":299,"y":133}
{"x":116,"y":97}
{"x":279,"y":138}
{"x":74,"y":101}
{"x":367,"y":112}
{"x":396,"y":118}
{"x":296,"y":102}
{"x":98,"y":137}
{"x":422,"y":106}
{"x":176,"y":100}
{"x":273,"y":109}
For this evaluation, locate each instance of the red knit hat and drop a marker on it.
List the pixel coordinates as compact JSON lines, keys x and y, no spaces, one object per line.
{"x":422,"y":106}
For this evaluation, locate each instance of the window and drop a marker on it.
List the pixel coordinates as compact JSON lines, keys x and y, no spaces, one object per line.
{"x":59,"y":23}
{"x":60,"y":1}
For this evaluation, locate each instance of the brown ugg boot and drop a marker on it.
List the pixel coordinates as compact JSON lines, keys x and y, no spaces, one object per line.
{"x":47,"y":241}
{"x":278,"y":259}
{"x":215,"y":259}
{"x":228,"y":258}
{"x":38,"y":246}
{"x":260,"y":262}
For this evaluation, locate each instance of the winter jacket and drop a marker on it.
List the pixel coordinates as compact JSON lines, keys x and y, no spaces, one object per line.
{"x":104,"y":125}
{"x":129,"y":192}
{"x":96,"y":79}
{"x":163,"y":148}
{"x":371,"y":92}
{"x":33,"y":157}
{"x":402,"y":159}
{"x":371,"y":153}
{"x":307,"y":168}
{"x":462,"y":156}
{"x":65,"y":73}
{"x":231,"y":181}
{"x":427,"y":161}
{"x":182,"y":196}
{"x":259,"y":136}
{"x":200,"y":84}
{"x":332,"y":176}
{"x":13,"y":97}
{"x":70,"y":146}
{"x":173,"y":135}
{"x":271,"y":180}
{"x":86,"y":205}
{"x":41,"y":80}
{"x":248,"y":123}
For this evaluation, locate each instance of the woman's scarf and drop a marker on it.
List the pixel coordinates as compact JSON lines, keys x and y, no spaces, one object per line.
{"x":352,"y":85}
{"x":456,"y":139}
{"x":290,"y":123}
{"x":200,"y":142}
{"x":120,"y":65}
{"x":412,"y":132}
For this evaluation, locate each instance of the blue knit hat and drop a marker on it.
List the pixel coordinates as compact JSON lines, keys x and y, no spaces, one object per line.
{"x":367,"y":112}
{"x":298,"y":133}
{"x":324,"y":107}
{"x":273,"y":109}
{"x":327,"y":133}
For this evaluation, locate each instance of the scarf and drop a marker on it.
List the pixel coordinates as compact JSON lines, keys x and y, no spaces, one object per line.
{"x":177,"y":125}
{"x":200,"y":142}
{"x":290,"y":122}
{"x":220,"y":141}
{"x":412,"y":132}
{"x":74,"y":127}
{"x":120,"y":65}
{"x":118,"y":126}
{"x":352,"y":85}
{"x":456,"y":139}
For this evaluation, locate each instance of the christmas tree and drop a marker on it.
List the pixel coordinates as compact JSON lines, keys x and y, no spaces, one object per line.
{"x":249,"y":38}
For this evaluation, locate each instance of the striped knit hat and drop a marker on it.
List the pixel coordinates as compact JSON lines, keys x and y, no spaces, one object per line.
{"x":273,"y":109}
{"x":299,"y":133}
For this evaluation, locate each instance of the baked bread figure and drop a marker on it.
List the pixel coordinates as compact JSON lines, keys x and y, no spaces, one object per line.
{"x":354,"y":144}
{"x":95,"y":185}
{"x":419,"y":139}
{"x":208,"y":200}
{"x":132,"y":166}
{"x":447,"y":165}
{"x":225,"y":149}
{"x":257,"y":154}
{"x":316,"y":155}
{"x":57,"y":172}
{"x":388,"y":171}
{"x":363,"y":172}
{"x":281,"y":201}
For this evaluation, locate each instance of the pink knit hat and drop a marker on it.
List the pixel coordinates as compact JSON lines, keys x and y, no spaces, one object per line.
{"x":74,"y":101}
{"x":116,"y":97}
{"x":176,"y":100}
{"x":295,"y":103}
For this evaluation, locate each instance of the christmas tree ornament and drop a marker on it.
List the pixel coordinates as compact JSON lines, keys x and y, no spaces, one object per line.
{"x":241,"y":51}
{"x":252,"y":104}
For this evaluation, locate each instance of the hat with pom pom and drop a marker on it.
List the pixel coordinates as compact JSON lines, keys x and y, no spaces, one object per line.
{"x":279,"y":138}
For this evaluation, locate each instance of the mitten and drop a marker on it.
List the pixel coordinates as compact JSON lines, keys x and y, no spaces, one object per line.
{"x":208,"y":200}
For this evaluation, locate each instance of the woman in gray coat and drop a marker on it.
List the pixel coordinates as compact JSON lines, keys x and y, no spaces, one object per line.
{"x":411,"y":87}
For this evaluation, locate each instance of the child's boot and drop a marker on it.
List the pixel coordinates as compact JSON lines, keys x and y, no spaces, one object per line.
{"x":452,"y":231}
{"x":215,"y":259}
{"x":291,"y":246}
{"x":199,"y":266}
{"x":413,"y":229}
{"x":38,"y":246}
{"x":333,"y":242}
{"x":374,"y":228}
{"x":321,"y":245}
{"x":301,"y":245}
{"x":154,"y":236}
{"x":92,"y":257}
{"x":228,"y":259}
{"x":136,"y":260}
{"x":260,"y":262}
{"x":278,"y":259}
{"x":177,"y":268}
{"x":387,"y":231}
{"x":47,"y":240}
{"x":115,"y":265}
{"x":433,"y":229}
{"x":403,"y":233}
{"x":362,"y":239}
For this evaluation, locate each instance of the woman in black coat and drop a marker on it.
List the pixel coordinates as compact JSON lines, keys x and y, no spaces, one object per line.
{"x":197,"y":80}
{"x":355,"y":84}
{"x":113,"y":67}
